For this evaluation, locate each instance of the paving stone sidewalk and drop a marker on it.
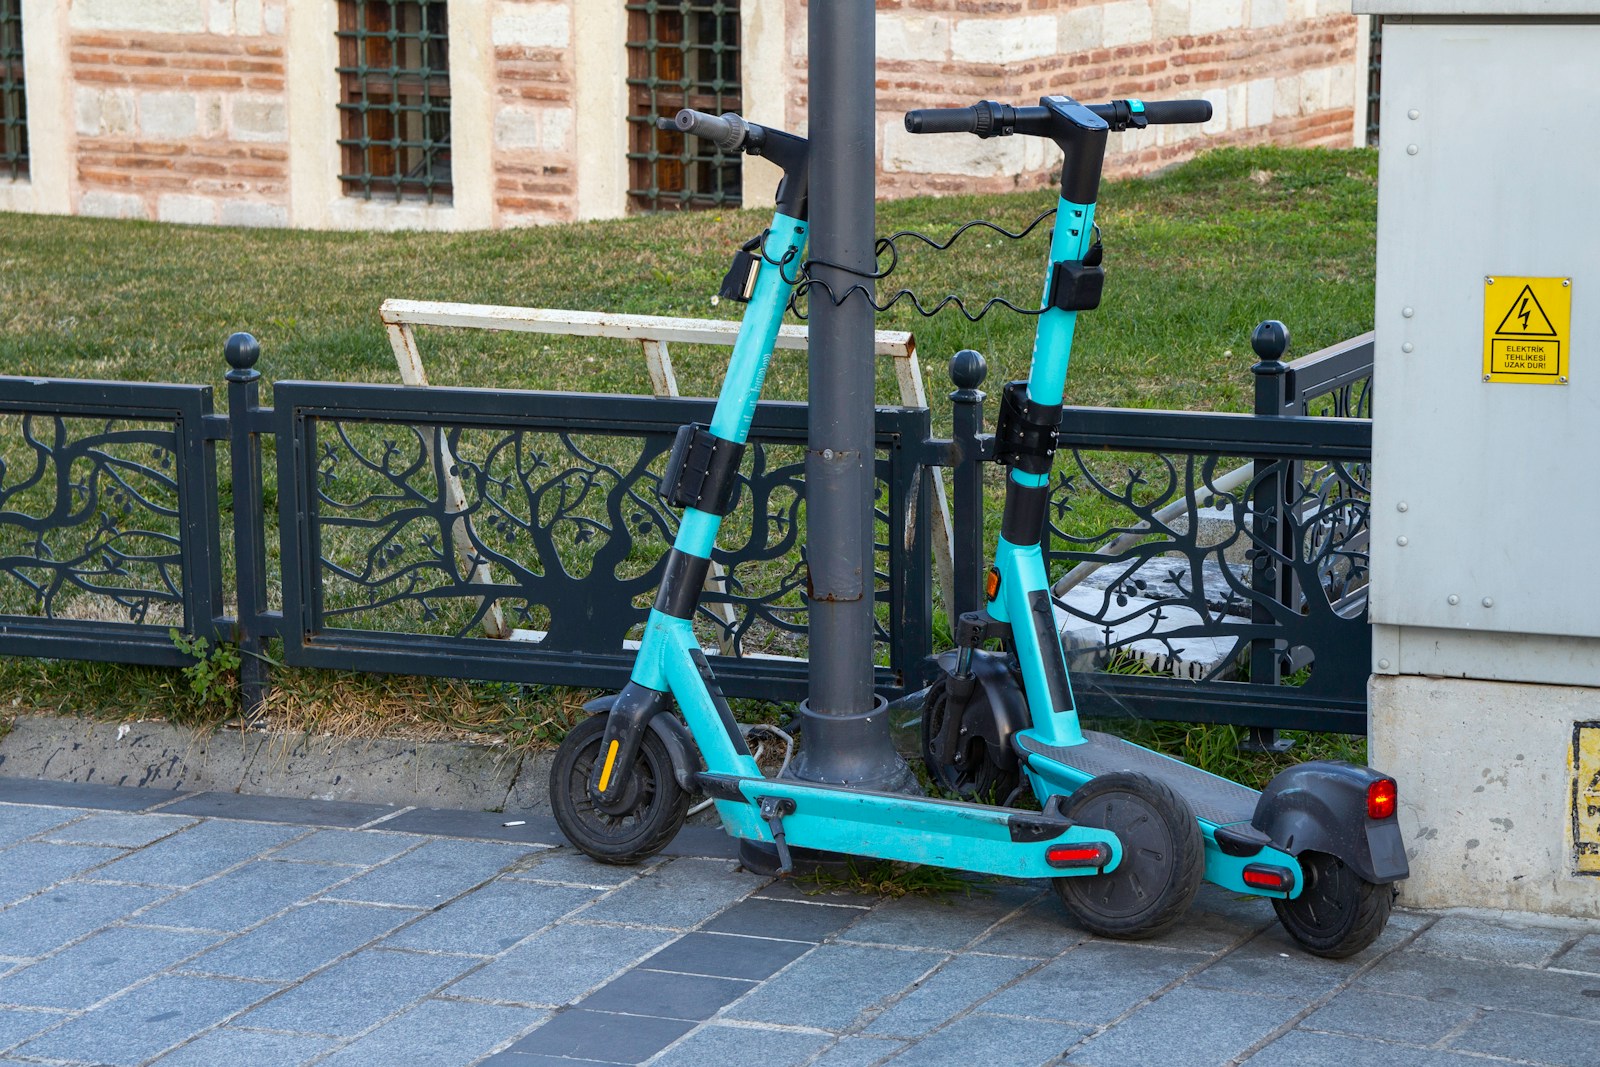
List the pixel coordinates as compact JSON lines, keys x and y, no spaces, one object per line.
{"x":211,"y":930}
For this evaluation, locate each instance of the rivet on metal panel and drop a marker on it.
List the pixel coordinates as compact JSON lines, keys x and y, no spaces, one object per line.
{"x":1565,"y":282}
{"x":1485,"y":377}
{"x":1408,"y":312}
{"x":1488,"y":601}
{"x":1383,"y":664}
{"x":1563,"y":379}
{"x":1408,"y":347}
{"x":1402,"y":506}
{"x":1413,"y":114}
{"x":1487,"y":280}
{"x":1402,"y":540}
{"x":1452,"y":600}
{"x":1412,"y":149}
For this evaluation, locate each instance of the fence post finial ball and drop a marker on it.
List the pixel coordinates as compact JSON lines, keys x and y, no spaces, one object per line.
{"x":968,"y":369}
{"x":1270,"y":339}
{"x":241,"y":351}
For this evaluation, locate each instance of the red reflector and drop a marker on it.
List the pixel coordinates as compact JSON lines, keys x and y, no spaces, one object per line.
{"x":1260,"y":876}
{"x":1381,"y":797}
{"x":1077,"y":855}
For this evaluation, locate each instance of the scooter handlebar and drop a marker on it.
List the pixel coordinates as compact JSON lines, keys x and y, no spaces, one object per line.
{"x":943,"y":120}
{"x":1175,"y":112}
{"x":729,"y":131}
{"x":989,"y":119}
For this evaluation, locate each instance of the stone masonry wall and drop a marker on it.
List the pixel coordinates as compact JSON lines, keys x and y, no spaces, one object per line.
{"x":180,"y":112}
{"x":534,"y":167}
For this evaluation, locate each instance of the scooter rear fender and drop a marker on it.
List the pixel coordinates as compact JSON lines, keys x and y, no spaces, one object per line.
{"x":998,"y":707}
{"x":1321,"y":806}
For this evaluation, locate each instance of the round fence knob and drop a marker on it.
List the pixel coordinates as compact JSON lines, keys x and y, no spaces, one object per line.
{"x":1270,"y":339}
{"x":968,"y":369}
{"x":241,"y":351}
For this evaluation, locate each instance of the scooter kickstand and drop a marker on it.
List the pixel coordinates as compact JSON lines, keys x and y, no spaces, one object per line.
{"x":773,"y":809}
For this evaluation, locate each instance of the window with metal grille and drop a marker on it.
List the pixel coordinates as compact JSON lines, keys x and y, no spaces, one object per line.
{"x":13,"y":94}
{"x":394,"y":74}
{"x":681,"y":53}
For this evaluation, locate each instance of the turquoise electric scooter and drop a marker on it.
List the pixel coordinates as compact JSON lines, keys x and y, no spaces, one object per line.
{"x":1125,"y":834}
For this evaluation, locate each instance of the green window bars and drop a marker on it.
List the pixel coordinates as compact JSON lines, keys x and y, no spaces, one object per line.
{"x":681,"y":53}
{"x":13,"y":94}
{"x":394,"y":74}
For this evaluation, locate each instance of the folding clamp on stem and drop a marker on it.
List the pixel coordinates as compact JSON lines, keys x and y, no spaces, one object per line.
{"x":773,"y":809}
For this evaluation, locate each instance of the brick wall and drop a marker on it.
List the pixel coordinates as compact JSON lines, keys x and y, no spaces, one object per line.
{"x":179,"y":110}
{"x":534,"y":168}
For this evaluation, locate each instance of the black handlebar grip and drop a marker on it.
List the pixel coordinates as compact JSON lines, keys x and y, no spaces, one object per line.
{"x":942,"y":120}
{"x":1173,"y":112}
{"x":728,"y":131}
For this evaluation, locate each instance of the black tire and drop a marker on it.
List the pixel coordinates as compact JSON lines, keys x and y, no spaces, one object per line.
{"x":1163,"y":857}
{"x":1339,"y":913}
{"x":647,"y":816}
{"x":980,"y":779}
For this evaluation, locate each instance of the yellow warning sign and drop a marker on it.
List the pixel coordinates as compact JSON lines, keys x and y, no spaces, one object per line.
{"x":1527,"y":329}
{"x":1586,"y":798}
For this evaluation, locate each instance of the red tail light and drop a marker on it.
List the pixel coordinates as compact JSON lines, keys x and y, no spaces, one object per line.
{"x":1381,"y":797}
{"x":1077,"y":855}
{"x":1261,"y":876}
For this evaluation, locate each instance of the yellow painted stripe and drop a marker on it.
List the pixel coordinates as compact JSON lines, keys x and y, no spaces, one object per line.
{"x":605,"y":773}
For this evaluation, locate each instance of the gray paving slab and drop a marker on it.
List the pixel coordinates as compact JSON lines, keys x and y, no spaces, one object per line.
{"x":1498,"y":941}
{"x":1459,"y":981}
{"x":833,"y":985}
{"x":676,"y":895}
{"x":78,"y":794}
{"x":198,"y":853}
{"x":1190,"y":1027}
{"x":19,"y":821}
{"x":728,"y":955}
{"x":1363,"y":1013}
{"x":945,"y":922}
{"x":432,"y":873}
{"x":119,"y":829}
{"x":494,"y":918}
{"x":1266,"y":963}
{"x":1040,"y":931}
{"x":859,"y":1051}
{"x":955,"y":987}
{"x":1304,"y":1049}
{"x":483,"y":825}
{"x":437,"y":1033}
{"x":1094,"y":983}
{"x":243,"y":897}
{"x":297,"y":810}
{"x":99,"y":967}
{"x":349,"y":848}
{"x":981,"y":1038}
{"x":357,"y":993}
{"x":561,"y":965}
{"x":813,"y":893}
{"x":16,"y":1026}
{"x":1583,"y":956}
{"x":602,"y":1036}
{"x":300,"y":941}
{"x":145,"y":1021}
{"x":46,"y":922}
{"x":794,"y":920}
{"x":571,"y":867}
{"x":1541,"y":1038}
{"x":667,"y":996}
{"x":721,"y":1044}
{"x":227,"y":1047}
{"x":33,"y":866}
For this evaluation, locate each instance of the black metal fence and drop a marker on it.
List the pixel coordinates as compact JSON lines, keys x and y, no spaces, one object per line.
{"x":518,"y":536}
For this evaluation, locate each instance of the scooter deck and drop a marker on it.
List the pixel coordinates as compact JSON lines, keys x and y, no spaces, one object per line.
{"x":1214,"y":800}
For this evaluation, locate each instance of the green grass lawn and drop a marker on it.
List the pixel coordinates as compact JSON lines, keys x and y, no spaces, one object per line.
{"x":1194,"y":258}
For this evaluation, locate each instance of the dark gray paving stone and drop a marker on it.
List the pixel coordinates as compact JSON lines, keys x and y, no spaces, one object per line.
{"x":607,"y":1038}
{"x":244,"y":897}
{"x":436,"y":1033}
{"x":676,"y":895}
{"x":833,"y":985}
{"x":559,"y":965}
{"x":494,"y":918}
{"x":294,"y":810}
{"x":742,"y":1045}
{"x":571,"y":867}
{"x":1218,"y":921}
{"x":356,"y":993}
{"x":1544,"y":1038}
{"x":198,"y":853}
{"x":481,"y":825}
{"x":513,"y":1058}
{"x":432,"y":874}
{"x":1040,"y":931}
{"x":1391,"y":1018}
{"x":667,"y":996}
{"x":1583,"y":956}
{"x":27,"y":868}
{"x":119,"y":830}
{"x":18,"y":821}
{"x":300,"y":941}
{"x":350,"y":848}
{"x":702,"y":842}
{"x":859,"y":1051}
{"x":1497,"y":941}
{"x":948,"y":922}
{"x":141,"y":1024}
{"x":1094,"y":983}
{"x":17,"y":1026}
{"x":80,"y":794}
{"x":955,"y":987}
{"x":70,"y":910}
{"x":727,"y":955}
{"x":1268,"y":965}
{"x":791,"y":920}
{"x":788,"y":889}
{"x":1459,"y":981}
{"x":1215,"y":1027}
{"x":246,"y":1048}
{"x":987,"y":1039}
{"x":1300,"y":1048}
{"x":94,"y":969}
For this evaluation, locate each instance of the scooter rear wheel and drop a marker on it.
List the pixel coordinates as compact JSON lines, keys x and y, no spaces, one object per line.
{"x":1163,"y":857}
{"x":638,"y":824}
{"x":1338,"y":913}
{"x":978,"y":778}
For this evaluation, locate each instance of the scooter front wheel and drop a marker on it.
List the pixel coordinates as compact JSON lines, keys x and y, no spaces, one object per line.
{"x":1163,"y":857}
{"x":1338,"y":913}
{"x":647,"y":815}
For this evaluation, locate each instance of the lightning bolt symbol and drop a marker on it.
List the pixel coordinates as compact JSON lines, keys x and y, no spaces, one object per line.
{"x":1523,"y":313}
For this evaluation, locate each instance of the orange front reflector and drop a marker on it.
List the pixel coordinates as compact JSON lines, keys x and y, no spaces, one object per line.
{"x":1260,"y":876}
{"x":1077,"y":855}
{"x":991,"y":584}
{"x":1381,"y":798}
